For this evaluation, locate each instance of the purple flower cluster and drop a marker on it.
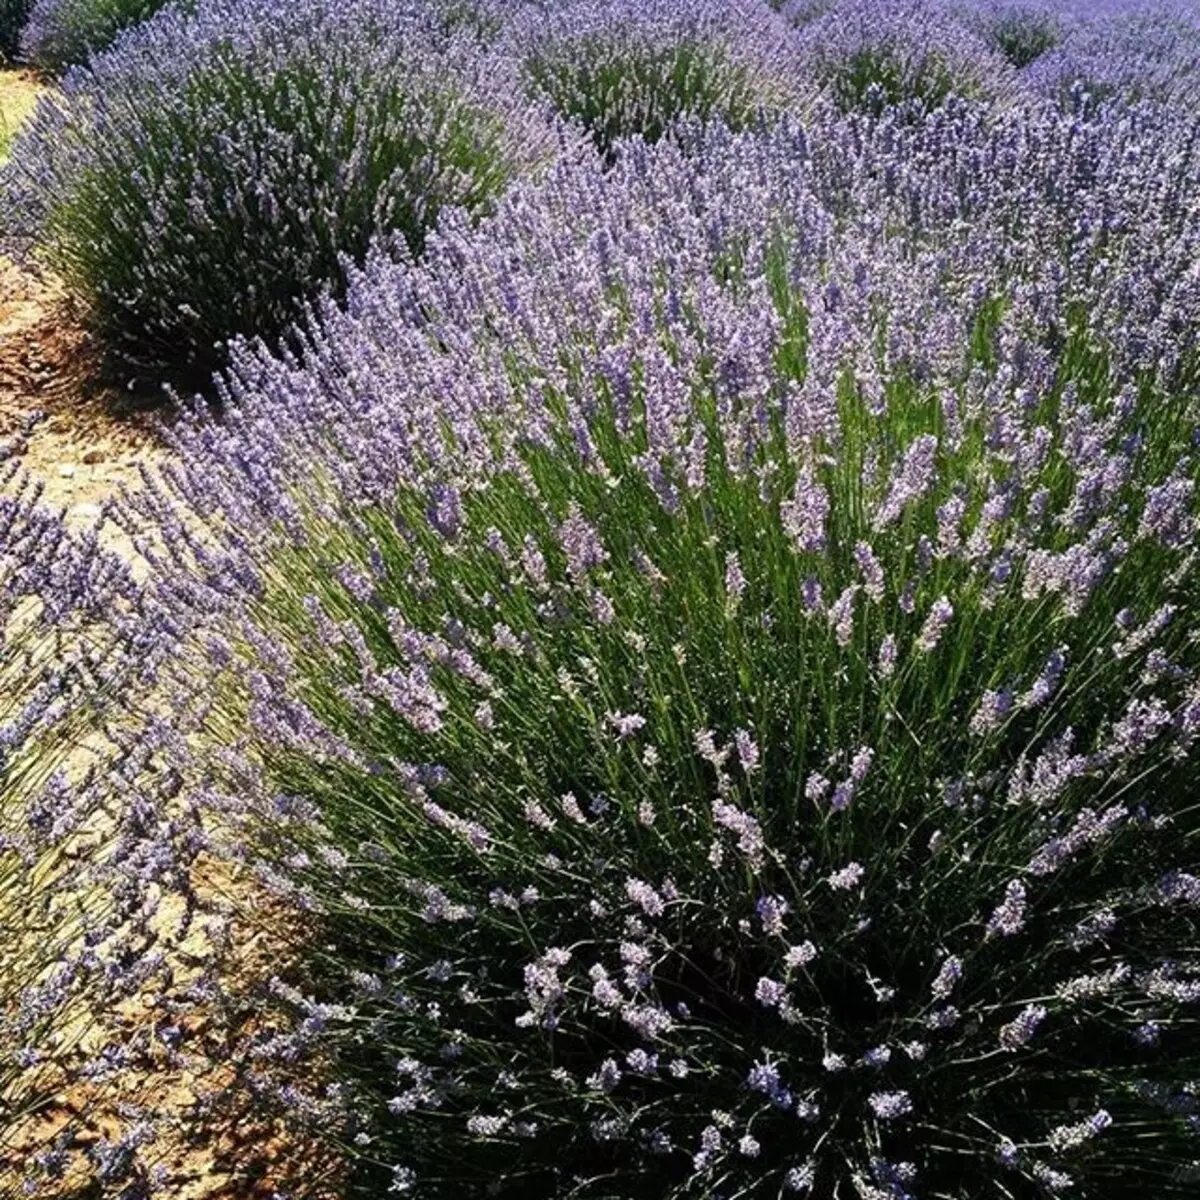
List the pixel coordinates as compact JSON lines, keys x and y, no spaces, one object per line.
{"x":216,"y":168}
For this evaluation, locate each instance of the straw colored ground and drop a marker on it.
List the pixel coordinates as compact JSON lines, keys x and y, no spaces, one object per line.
{"x":18,"y":94}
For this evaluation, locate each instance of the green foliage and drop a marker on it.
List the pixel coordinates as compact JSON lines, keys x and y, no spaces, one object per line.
{"x":637,"y":90}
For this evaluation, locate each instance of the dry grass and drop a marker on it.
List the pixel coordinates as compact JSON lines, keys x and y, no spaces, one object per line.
{"x":19,"y":92}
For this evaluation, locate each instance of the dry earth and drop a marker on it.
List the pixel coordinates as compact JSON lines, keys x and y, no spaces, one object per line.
{"x":81,"y":440}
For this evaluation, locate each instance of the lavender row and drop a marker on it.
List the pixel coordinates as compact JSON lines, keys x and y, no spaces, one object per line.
{"x":716,"y":661}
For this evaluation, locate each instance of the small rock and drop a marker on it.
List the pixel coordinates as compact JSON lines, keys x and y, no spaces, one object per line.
{"x":67,"y":472}
{"x":85,"y":512}
{"x":93,"y":456}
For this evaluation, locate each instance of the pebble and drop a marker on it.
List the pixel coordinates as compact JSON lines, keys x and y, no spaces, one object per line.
{"x":67,"y":472}
{"x":93,"y":456}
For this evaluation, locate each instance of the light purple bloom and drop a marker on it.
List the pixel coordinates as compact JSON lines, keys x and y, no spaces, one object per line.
{"x":848,"y":877}
{"x":939,"y":617}
{"x":805,"y":514}
{"x":1019,"y":1031}
{"x":890,"y":1106}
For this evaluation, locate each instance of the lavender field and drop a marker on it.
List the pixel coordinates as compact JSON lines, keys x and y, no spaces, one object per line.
{"x":653,"y":652}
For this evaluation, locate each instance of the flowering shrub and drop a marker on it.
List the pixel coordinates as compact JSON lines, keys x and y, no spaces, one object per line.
{"x":1020,"y":32}
{"x":1126,"y":52}
{"x":899,"y":52}
{"x":737,"y":741}
{"x":211,"y":173}
{"x":622,"y":69}
{"x":61,"y":33}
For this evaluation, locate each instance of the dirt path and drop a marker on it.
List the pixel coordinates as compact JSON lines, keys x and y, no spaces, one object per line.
{"x":81,"y":440}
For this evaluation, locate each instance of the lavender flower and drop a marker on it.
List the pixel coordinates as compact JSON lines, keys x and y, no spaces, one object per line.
{"x":890,"y":1106}
{"x":940,"y":615}
{"x":847,"y":877}
{"x":1009,"y":917}
{"x":1020,"y":1030}
{"x":804,"y":515}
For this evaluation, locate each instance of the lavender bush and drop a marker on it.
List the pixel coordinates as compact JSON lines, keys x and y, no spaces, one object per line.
{"x":61,"y":33}
{"x":1148,"y":49}
{"x":622,"y":69}
{"x":911,"y":53}
{"x":737,"y":742}
{"x":211,"y":173}
{"x":1021,"y":32}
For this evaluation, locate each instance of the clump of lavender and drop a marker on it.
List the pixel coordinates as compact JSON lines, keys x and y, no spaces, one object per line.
{"x":623,"y":69}
{"x":738,"y":740}
{"x":212,"y":172}
{"x":61,"y":33}
{"x":1020,"y":31}
{"x":1123,"y":51}
{"x":909,"y":54}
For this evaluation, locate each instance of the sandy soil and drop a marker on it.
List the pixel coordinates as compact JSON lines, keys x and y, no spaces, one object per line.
{"x":79,"y":438}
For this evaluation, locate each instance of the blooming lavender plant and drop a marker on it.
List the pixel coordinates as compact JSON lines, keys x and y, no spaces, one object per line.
{"x":61,"y":33}
{"x":212,"y":172}
{"x":1123,"y":50}
{"x":624,"y":69}
{"x":910,"y":54}
{"x":1022,"y":32}
{"x":617,"y":717}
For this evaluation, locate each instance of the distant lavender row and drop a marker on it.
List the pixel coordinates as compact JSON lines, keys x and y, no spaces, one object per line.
{"x":61,"y":33}
{"x":211,"y":173}
{"x":923,"y":49}
{"x":718,"y":644}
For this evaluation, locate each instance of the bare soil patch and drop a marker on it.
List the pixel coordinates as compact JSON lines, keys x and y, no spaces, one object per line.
{"x":80,"y":438}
